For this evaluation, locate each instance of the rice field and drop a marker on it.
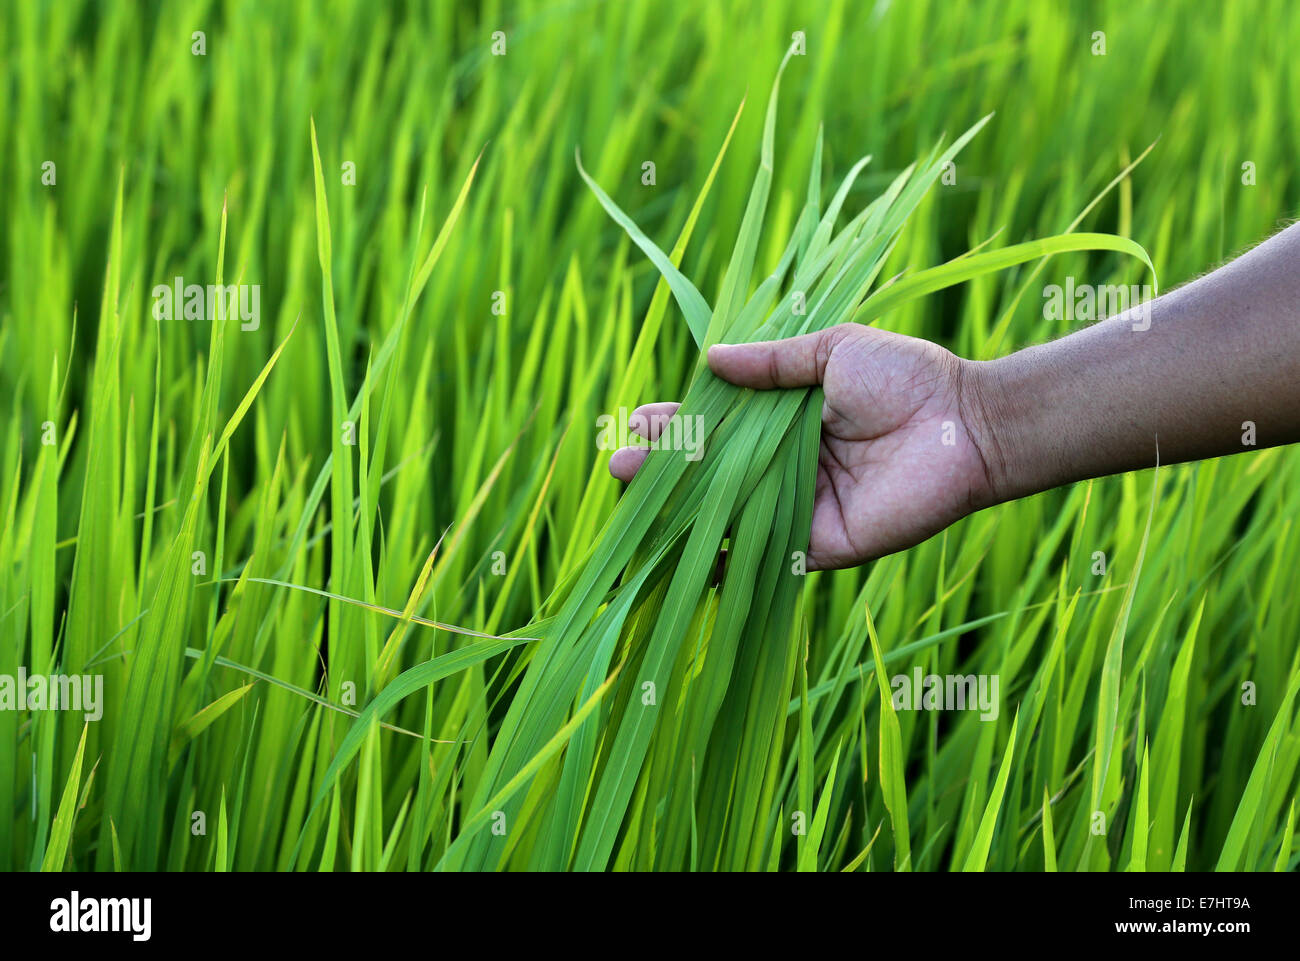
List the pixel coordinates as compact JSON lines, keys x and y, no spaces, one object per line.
{"x":314,"y":319}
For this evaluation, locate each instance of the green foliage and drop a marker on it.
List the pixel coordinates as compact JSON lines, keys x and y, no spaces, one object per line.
{"x":426,"y":614}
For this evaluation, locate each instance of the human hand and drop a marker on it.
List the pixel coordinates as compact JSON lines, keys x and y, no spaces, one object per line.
{"x":900,"y":452}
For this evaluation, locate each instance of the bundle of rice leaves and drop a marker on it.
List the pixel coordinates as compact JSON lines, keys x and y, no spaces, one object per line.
{"x":648,"y":725}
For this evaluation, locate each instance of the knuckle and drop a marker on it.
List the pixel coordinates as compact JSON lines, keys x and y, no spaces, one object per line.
{"x":775,"y":365}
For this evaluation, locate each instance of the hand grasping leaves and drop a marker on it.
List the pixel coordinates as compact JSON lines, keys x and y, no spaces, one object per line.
{"x":899,"y":460}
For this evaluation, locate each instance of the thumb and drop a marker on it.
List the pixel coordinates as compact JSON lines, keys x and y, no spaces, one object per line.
{"x":792,"y":362}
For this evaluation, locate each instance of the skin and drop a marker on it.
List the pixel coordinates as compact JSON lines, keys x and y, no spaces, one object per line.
{"x":915,"y":438}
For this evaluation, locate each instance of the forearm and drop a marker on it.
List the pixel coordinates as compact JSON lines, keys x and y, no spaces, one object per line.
{"x":1220,"y":353}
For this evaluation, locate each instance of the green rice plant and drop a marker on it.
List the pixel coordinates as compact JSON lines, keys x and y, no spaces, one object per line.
{"x":696,"y":677}
{"x":457,"y":569}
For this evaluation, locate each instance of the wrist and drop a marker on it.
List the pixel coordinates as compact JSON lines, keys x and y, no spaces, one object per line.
{"x":998,"y":418}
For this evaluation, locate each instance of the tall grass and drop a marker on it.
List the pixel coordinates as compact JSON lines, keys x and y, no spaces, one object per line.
{"x":386,"y":454}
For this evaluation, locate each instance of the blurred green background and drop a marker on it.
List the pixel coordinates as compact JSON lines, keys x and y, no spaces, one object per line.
{"x":153,"y":144}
